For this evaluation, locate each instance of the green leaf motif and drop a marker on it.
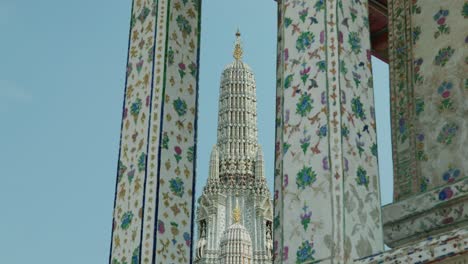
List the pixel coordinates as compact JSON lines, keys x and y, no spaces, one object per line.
{"x":304,"y":106}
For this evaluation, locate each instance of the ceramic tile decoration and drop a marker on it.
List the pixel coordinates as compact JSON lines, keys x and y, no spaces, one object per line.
{"x":154,"y":194}
{"x":449,"y":248}
{"x":429,"y":91}
{"x":428,"y":101}
{"x":428,"y":213}
{"x":326,"y":198}
{"x":326,"y":182}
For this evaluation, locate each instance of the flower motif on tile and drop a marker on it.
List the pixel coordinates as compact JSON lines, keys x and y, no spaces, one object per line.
{"x":131,"y":175}
{"x":174,"y":230}
{"x":420,"y":154}
{"x":446,"y":102}
{"x":303,"y":14}
{"x":304,"y":41}
{"x":161,"y":228}
{"x":178,"y":153}
{"x":374,"y":150}
{"x":139,"y":65}
{"x":447,"y":134}
{"x":165,"y":141}
{"x":354,"y":41}
{"x":305,"y":253}
{"x":424,"y":183}
{"x":362,"y":178}
{"x":305,"y":143}
{"x":344,"y":131}
{"x":145,"y":11}
{"x":441,"y":19}
{"x":443,"y":56}
{"x":451,"y":175}
{"x":187,"y":239}
{"x":356,"y":78}
{"x":305,"y":177}
{"x":182,"y":70}
{"x":419,"y":105}
{"x":184,"y":26}
{"x":304,"y":106}
{"x":180,"y":106}
{"x":445,"y":194}
{"x":403,"y":129}
{"x":321,"y":66}
{"x":416,"y":8}
{"x":121,"y":170}
{"x":170,"y":56}
{"x":136,"y":256}
{"x":126,"y":220}
{"x":464,"y":11}
{"x":322,"y":132}
{"x":135,"y":109}
{"x":304,"y":74}
{"x":288,"y":81}
{"x":357,"y":108}
{"x":193,"y":69}
{"x":191,"y":153}
{"x":416,"y":33}
{"x":142,"y":162}
{"x":418,"y":78}
{"x":319,"y":5}
{"x":305,"y":217}
{"x":177,"y":186}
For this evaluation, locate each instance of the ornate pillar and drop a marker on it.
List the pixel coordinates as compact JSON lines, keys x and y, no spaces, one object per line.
{"x":154,"y":200}
{"x":429,"y":93}
{"x":327,"y":199}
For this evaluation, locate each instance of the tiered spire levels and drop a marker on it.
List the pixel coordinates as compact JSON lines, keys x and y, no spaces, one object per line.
{"x":237,"y":118}
{"x":235,"y":210}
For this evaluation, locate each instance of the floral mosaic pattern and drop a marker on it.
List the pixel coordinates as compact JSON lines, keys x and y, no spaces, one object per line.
{"x":176,"y":174}
{"x":441,"y":249}
{"x":128,"y":208}
{"x":434,"y":210}
{"x":434,"y":85}
{"x":156,"y":162}
{"x":325,"y":134}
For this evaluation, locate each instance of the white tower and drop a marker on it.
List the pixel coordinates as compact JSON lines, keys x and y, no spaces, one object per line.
{"x":236,"y":175}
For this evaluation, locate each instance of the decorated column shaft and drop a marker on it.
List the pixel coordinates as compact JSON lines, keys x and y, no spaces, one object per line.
{"x":327,"y":199}
{"x":429,"y":94}
{"x":429,"y":89}
{"x":154,"y":200}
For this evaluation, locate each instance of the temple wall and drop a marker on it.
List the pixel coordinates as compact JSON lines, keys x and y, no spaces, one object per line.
{"x":327,"y":200}
{"x":429,"y":83}
{"x":440,"y":77}
{"x":156,"y":174}
{"x":429,"y":100}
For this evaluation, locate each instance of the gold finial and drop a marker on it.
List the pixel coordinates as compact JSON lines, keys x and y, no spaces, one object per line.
{"x":238,"y":49}
{"x":236,"y":215}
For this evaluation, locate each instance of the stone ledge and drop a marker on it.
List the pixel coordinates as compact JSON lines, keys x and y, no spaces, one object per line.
{"x":450,"y":247}
{"x":428,"y":214}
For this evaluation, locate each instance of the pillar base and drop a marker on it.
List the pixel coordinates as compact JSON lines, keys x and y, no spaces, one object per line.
{"x":449,"y":248}
{"x":428,"y":214}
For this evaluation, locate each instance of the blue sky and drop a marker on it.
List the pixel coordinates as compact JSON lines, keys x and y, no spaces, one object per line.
{"x":62,"y":69}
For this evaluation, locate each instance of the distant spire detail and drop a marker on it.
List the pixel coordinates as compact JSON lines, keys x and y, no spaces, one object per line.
{"x":236,"y":213}
{"x":238,"y":52}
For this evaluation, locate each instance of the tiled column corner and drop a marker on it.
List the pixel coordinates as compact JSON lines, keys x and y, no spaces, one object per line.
{"x":429,"y":88}
{"x":327,"y":200}
{"x":156,"y":174}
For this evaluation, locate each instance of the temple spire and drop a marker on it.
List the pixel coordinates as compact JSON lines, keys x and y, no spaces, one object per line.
{"x":238,"y":52}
